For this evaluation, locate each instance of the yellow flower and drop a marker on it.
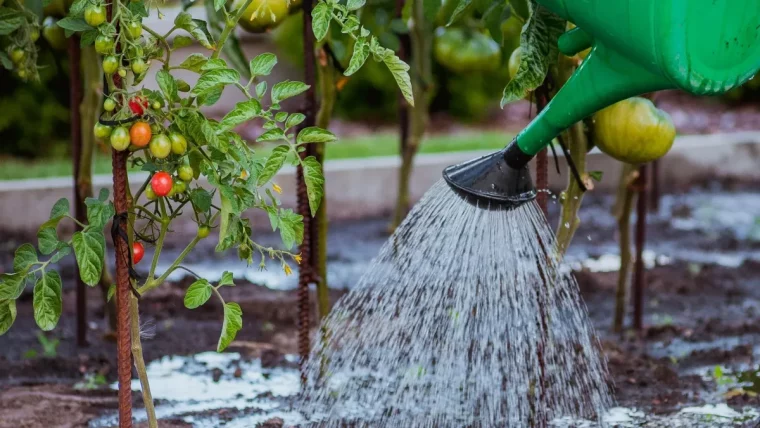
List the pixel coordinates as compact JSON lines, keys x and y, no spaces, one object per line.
{"x":287,"y":269}
{"x":297,"y":258}
{"x":277,"y":188}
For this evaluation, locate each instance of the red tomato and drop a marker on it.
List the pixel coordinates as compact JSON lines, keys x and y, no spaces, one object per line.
{"x":138,"y":251}
{"x":161,"y":183}
{"x":138,"y":105}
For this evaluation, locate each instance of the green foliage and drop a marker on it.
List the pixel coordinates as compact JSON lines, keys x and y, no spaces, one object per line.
{"x":539,"y":47}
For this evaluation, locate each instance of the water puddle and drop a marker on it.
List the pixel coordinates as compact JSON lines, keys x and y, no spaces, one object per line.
{"x":187,"y":386}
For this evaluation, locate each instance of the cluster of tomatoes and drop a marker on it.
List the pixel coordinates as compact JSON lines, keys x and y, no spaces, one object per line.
{"x":95,"y":16}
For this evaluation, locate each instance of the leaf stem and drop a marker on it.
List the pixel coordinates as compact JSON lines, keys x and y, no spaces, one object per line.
{"x":229,"y":26}
{"x":151,"y":284}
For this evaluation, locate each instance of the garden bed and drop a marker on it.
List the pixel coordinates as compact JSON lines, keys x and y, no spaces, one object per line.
{"x":702,"y":311}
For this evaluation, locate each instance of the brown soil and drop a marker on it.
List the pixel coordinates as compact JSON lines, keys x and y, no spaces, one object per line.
{"x":704,"y":306}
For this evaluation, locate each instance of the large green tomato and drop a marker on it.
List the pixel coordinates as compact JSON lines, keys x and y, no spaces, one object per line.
{"x":634,"y":131}
{"x":261,"y":15}
{"x":94,"y":15}
{"x":463,"y":50}
{"x":54,"y":34}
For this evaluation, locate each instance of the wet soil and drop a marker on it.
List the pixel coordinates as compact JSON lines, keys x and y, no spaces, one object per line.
{"x":702,"y":310}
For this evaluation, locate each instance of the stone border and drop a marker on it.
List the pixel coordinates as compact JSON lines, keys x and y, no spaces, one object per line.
{"x":361,"y":188}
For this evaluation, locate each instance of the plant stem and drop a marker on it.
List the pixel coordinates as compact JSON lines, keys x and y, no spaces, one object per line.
{"x":578,"y":145}
{"x":422,"y":85}
{"x":622,"y":210}
{"x":137,"y":355}
{"x":90,"y":112}
{"x":326,"y":81}
{"x":153,"y":283}
{"x":229,"y":26}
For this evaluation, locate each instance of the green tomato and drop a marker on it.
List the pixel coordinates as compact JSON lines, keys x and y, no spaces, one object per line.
{"x":179,"y":187}
{"x":203,"y":232}
{"x":122,"y":72}
{"x":160,"y":146}
{"x":156,"y":105}
{"x":109,"y":104}
{"x":17,"y":55}
{"x":179,"y":143}
{"x":34,"y":34}
{"x":95,"y":15}
{"x":186,"y":173}
{"x":21,"y":73}
{"x":134,"y":52}
{"x":261,"y":15}
{"x":139,"y":66}
{"x":120,"y":139}
{"x":101,"y":131}
{"x":514,"y":62}
{"x":465,"y":51}
{"x":149,"y":193}
{"x":54,"y":34}
{"x":133,"y":30}
{"x":110,"y":64}
{"x":103,"y":45}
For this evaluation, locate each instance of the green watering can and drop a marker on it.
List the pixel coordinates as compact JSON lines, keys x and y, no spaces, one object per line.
{"x":704,"y":47}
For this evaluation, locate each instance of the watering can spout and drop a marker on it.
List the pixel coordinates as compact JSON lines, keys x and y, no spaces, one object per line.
{"x":604,"y":78}
{"x":704,"y":47}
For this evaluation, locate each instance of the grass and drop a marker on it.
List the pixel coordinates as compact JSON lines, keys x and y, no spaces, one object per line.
{"x":347,"y":148}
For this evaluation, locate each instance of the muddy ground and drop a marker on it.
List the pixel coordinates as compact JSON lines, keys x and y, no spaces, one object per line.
{"x":702,"y":303}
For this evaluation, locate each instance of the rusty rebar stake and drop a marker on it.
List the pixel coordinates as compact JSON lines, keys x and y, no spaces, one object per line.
{"x":80,"y":211}
{"x":638,"y":268}
{"x":654,"y":192}
{"x":123,"y":286}
{"x":306,"y":271}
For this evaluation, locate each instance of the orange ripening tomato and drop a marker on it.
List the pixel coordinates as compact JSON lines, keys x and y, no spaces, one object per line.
{"x":140,"y":134}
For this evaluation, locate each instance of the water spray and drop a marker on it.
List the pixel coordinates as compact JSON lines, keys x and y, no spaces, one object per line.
{"x":704,"y":47}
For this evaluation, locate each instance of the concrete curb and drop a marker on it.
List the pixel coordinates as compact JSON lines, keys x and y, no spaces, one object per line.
{"x":360,"y":188}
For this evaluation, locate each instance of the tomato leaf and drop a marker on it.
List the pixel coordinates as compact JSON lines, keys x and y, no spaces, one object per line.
{"x":243,"y":112}
{"x":47,"y":300}
{"x":274,"y":134}
{"x":197,"y":294}
{"x":57,"y":213}
{"x":168,"y":85}
{"x":462,"y":7}
{"x":227,"y":279}
{"x":218,"y":4}
{"x":539,"y":51}
{"x":359,"y":57}
{"x":62,"y":252}
{"x":73,"y":24}
{"x":12,"y":284}
{"x":294,"y":119}
{"x":24,"y":258}
{"x":263,"y":64}
{"x":181,"y":42}
{"x":273,"y":164}
{"x":6,"y":61}
{"x":494,"y":16}
{"x":315,"y":182}
{"x":201,"y":199}
{"x":215,"y":78}
{"x":400,"y":71}
{"x":314,"y":134}
{"x":10,"y":20}
{"x":89,"y":249}
{"x":7,"y":315}
{"x":111,"y":292}
{"x":291,"y":228}
{"x":186,"y":22}
{"x":194,"y":62}
{"x":233,"y":322}
{"x":355,"y":4}
{"x":99,"y":212}
{"x":287,"y":89}
{"x":47,"y":240}
{"x":87,"y":38}
{"x":320,"y":20}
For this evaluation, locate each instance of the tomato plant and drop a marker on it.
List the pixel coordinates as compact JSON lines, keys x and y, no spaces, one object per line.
{"x":183,"y":144}
{"x":19,"y":30}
